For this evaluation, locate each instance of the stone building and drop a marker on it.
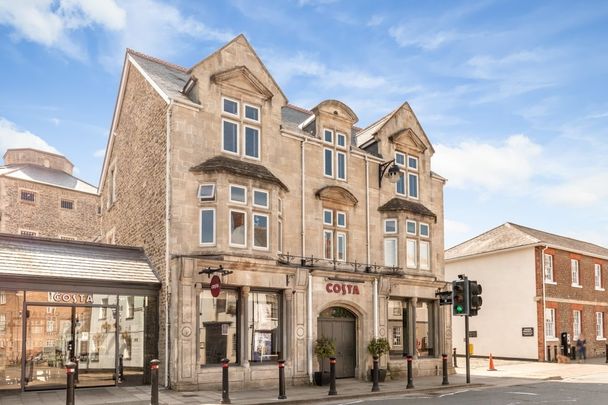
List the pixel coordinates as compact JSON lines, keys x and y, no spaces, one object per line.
{"x":39,"y":196}
{"x":526,"y":273}
{"x":305,"y":224}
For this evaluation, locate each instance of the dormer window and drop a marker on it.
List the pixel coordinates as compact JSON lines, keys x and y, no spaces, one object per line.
{"x":252,"y":113}
{"x":240,"y":126}
{"x":407,"y":184}
{"x":328,"y":136}
{"x":341,"y":140}
{"x":206,"y":192}
{"x":231,"y":106}
{"x":333,"y":156}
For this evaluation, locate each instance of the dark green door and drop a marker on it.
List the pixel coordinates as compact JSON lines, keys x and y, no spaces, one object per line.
{"x":339,"y":324}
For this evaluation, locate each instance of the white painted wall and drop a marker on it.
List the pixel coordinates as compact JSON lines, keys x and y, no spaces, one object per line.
{"x":505,"y":310}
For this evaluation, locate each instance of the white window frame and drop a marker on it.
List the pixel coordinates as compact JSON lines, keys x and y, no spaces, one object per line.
{"x":230,"y":243}
{"x":400,"y":154}
{"x":280,"y":236}
{"x":550,"y":320}
{"x":230,"y":186}
{"x":254,"y":246}
{"x":598,"y":277}
{"x":259,"y":151}
{"x":331,"y":154}
{"x":599,"y":326}
{"x":2,"y":322}
{"x":576,"y":323}
{"x":280,"y":206}
{"x":340,"y":235}
{"x":338,"y":136}
{"x":411,"y":264}
{"x":393,"y":220}
{"x":238,"y":134}
{"x":2,"y":297}
{"x":337,"y":168}
{"x":208,"y":198}
{"x":238,"y":107}
{"x":408,"y":163}
{"x":331,"y":239}
{"x":548,"y":266}
{"x":575,"y":270}
{"x":421,"y":244}
{"x":395,"y":243}
{"x":428,"y":227}
{"x":259,"y":190}
{"x":200,"y":227}
{"x":338,"y":215}
{"x":409,"y":221}
{"x":409,"y":193}
{"x":245,"y":105}
{"x":332,"y":136}
{"x":403,"y":174}
{"x":325,"y":210}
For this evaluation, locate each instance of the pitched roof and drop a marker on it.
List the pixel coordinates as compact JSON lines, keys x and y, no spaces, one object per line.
{"x":400,"y":204}
{"x":367,"y":134}
{"x":33,"y":258}
{"x":510,"y":236}
{"x":45,"y":175}
{"x":239,"y":168}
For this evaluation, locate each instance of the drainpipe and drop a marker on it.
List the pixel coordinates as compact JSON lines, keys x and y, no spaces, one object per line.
{"x":367,"y":247}
{"x":309,"y":327}
{"x":302,"y":152}
{"x":375,"y":300}
{"x":542,"y":277}
{"x":167,"y":235}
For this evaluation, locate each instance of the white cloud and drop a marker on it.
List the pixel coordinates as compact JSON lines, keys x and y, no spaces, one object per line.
{"x":100,"y":153}
{"x":453,"y":227}
{"x":13,"y":137}
{"x":475,"y":165}
{"x":582,"y":190}
{"x":406,"y":35}
{"x":375,"y":20}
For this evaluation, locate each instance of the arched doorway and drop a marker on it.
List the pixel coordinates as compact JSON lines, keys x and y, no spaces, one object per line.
{"x":340,"y":324}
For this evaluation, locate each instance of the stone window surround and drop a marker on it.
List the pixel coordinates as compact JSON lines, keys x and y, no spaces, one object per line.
{"x":337,"y":231}
{"x":408,"y":171}
{"x":408,"y":236}
{"x":336,"y":150}
{"x":242,"y":123}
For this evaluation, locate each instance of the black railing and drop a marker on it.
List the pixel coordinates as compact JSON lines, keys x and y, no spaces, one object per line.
{"x":337,"y":265}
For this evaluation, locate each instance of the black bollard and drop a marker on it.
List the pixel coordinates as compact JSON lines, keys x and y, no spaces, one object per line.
{"x":225,"y":383}
{"x":332,"y":376}
{"x":121,"y":369}
{"x":410,"y":375}
{"x":555,"y":353}
{"x":455,"y":361}
{"x":282,"y":380}
{"x":154,"y":366}
{"x":70,"y":370}
{"x":445,"y":370}
{"x":375,"y":386}
{"x":548,"y":359}
{"x":77,"y":372}
{"x":573,"y":353}
{"x":606,"y":352}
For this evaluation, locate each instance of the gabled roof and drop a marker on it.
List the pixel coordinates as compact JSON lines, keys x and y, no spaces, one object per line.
{"x":512,"y":236}
{"x":401,"y":204}
{"x":47,"y":176}
{"x":239,"y":168}
{"x":33,"y":258}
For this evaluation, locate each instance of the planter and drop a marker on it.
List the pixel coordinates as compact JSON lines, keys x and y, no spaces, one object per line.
{"x":321,"y":379}
{"x":381,"y":374}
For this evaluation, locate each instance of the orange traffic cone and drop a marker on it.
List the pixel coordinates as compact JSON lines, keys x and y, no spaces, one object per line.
{"x":491,"y":366}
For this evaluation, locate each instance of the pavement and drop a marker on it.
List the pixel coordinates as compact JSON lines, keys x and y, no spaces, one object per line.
{"x":508,"y":373}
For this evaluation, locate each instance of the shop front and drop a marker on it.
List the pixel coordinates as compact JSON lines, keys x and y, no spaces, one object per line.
{"x":60,"y":301}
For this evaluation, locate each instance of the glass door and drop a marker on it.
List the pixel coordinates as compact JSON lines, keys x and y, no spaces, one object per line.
{"x":95,"y":348}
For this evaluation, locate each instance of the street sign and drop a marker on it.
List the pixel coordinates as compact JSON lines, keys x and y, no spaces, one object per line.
{"x":215,"y":286}
{"x":472,"y":333}
{"x":445,"y":297}
{"x":527,"y":332}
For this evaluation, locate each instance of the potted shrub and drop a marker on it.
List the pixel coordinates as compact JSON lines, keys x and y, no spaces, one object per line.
{"x":324,"y":348}
{"x":377,"y":347}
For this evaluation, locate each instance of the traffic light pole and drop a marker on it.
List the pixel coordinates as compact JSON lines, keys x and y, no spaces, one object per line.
{"x":466,"y":342}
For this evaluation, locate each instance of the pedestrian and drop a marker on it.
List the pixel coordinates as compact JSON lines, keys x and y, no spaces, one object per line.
{"x":581,"y":348}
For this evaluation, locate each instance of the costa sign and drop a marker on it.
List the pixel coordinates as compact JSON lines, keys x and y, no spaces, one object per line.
{"x":215,"y":286}
{"x":342,"y":288}
{"x":68,"y":298}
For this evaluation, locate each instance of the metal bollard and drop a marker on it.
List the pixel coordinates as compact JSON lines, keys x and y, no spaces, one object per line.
{"x":77,"y":372}
{"x":375,"y":386}
{"x":445,"y":370}
{"x":548,"y":359}
{"x":225,"y":383}
{"x":154,"y":366}
{"x":70,"y":370}
{"x":555,"y":353}
{"x":121,"y":369}
{"x":455,"y":361}
{"x":282,"y":380}
{"x":606,"y":352}
{"x":410,"y":376}
{"x":332,"y":376}
{"x":572,"y":352}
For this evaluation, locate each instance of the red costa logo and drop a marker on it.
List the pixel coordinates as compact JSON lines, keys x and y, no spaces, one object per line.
{"x":342,"y":289}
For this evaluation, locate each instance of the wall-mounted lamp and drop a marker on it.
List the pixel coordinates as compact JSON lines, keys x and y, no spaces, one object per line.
{"x":392,"y":174}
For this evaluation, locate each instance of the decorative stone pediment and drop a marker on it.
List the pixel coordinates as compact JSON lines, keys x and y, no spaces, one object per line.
{"x":407,"y":138}
{"x":336,"y":109}
{"x":337,"y":194}
{"x":241,"y":79}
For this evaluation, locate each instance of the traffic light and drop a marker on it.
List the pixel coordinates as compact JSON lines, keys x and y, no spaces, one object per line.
{"x":475,"y":300}
{"x":460,"y":297}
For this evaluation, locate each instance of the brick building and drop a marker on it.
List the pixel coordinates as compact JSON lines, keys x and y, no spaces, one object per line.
{"x":294,"y":210}
{"x":40,"y":196}
{"x":526,"y":273}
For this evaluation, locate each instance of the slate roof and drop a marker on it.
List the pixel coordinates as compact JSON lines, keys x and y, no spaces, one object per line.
{"x":400,"y":204}
{"x":509,"y":236}
{"x":239,"y":168}
{"x":293,"y":115}
{"x":45,"y":175}
{"x":33,"y":258}
{"x":366,"y":134}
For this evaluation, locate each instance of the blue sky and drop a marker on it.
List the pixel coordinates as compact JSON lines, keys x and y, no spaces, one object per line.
{"x":513,"y":94}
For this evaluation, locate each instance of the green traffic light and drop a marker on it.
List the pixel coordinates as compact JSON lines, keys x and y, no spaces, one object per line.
{"x":459,"y":309}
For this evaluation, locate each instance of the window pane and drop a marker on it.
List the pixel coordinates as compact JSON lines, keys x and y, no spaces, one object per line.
{"x":390,"y":252}
{"x":390,"y":226}
{"x":206,"y":191}
{"x":237,"y":228}
{"x":425,"y":255}
{"x":328,"y":245}
{"x":412,"y":162}
{"x":411,"y":227}
{"x":329,"y":136}
{"x":425,"y":346}
{"x":252,"y":142}
{"x":341,"y":140}
{"x":231,"y":107}
{"x":328,"y":217}
{"x":413,"y":185}
{"x":230,"y":137}
{"x":341,"y":240}
{"x":260,"y":231}
{"x":424,"y":230}
{"x":329,"y":165}
{"x":238,"y":194}
{"x":264,"y":327}
{"x":341,"y":166}
{"x":207,"y":226}
{"x":280,"y":237}
{"x":11,"y":304}
{"x":260,"y":198}
{"x":218,"y":327}
{"x":400,"y":185}
{"x":411,"y":254}
{"x":397,"y":327}
{"x":400,"y":159}
{"x":341,"y":219}
{"x":252,"y":113}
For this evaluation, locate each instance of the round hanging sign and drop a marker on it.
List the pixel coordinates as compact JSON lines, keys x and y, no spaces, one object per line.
{"x":216,"y":286}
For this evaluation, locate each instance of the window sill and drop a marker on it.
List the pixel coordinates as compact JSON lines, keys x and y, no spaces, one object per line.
{"x":552,"y":339}
{"x":577,"y":286}
{"x":550,"y":282}
{"x":600,"y":338}
{"x":600,"y":289}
